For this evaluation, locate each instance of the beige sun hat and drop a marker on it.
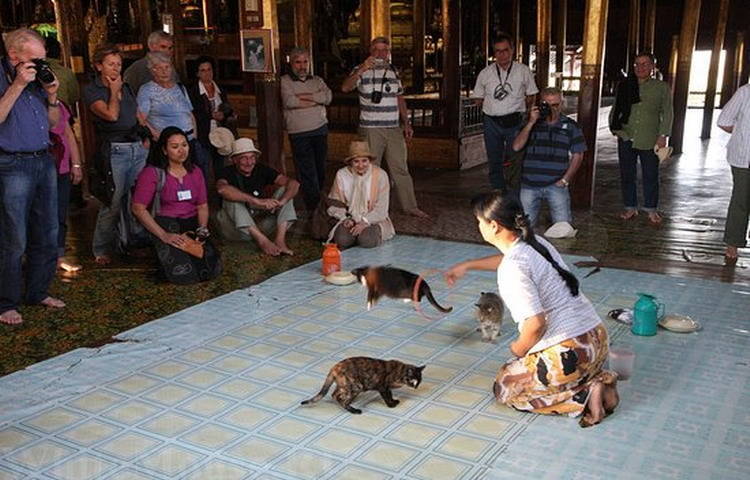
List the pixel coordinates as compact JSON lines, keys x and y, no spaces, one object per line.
{"x":244,"y":145}
{"x":359,"y":148}
{"x":223,"y":139}
{"x":663,"y":153}
{"x":561,"y":230}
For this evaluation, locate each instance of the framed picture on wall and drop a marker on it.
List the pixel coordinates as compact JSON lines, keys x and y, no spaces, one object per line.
{"x":252,"y":13}
{"x":257,"y":50}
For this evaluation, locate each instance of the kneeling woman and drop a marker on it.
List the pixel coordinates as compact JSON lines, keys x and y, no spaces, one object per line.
{"x":562,"y":343}
{"x":177,"y":192}
{"x":365,"y":190}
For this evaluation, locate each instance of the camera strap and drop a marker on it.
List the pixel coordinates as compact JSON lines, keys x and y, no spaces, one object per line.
{"x":382,"y":79}
{"x":507,"y":75}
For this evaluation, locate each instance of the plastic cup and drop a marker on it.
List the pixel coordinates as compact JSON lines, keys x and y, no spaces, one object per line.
{"x":622,"y":360}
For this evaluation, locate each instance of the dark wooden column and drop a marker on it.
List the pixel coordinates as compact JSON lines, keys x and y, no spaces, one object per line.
{"x":303,"y":21}
{"x":594,"y":33}
{"x":713,"y":69}
{"x":419,"y":33}
{"x":727,"y":85}
{"x":450,"y":91}
{"x":561,"y":17}
{"x":739,"y":60}
{"x":515,"y":28}
{"x":543,"y":38}
{"x":374,"y":20}
{"x":690,"y":16}
{"x":634,"y":32}
{"x":173,"y":7}
{"x":145,"y":22}
{"x":268,"y":100}
{"x":674,"y":55}
{"x":486,"y":33}
{"x":649,"y":26}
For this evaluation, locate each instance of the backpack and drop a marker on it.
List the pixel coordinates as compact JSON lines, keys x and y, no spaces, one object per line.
{"x":130,"y":233}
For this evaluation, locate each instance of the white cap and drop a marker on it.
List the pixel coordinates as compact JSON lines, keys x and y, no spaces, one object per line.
{"x":561,"y":230}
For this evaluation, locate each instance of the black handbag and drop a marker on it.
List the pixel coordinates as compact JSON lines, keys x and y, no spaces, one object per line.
{"x":101,"y":181}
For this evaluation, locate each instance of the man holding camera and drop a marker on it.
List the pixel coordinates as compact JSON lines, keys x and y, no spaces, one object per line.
{"x":554,"y":151}
{"x":28,"y":177}
{"x":506,"y":90}
{"x":381,"y":105}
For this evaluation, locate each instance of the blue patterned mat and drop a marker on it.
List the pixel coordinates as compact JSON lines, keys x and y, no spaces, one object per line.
{"x":213,"y":392}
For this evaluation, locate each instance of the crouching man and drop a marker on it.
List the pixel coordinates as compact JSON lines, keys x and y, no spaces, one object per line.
{"x":257,"y":200}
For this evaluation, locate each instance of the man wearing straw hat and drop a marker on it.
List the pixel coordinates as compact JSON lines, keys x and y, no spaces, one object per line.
{"x":257,"y":200}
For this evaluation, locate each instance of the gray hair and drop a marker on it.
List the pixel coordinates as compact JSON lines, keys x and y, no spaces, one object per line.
{"x":16,"y":39}
{"x":380,"y":40}
{"x":157,"y":58}
{"x":551,"y":91}
{"x":157,"y":36}
{"x":298,"y":52}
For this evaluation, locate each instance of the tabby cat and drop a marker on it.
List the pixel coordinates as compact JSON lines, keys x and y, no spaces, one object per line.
{"x":394,"y":283}
{"x":490,"y":315}
{"x":355,"y":375}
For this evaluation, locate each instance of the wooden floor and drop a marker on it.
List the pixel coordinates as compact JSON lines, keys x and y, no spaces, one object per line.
{"x":695,"y":191}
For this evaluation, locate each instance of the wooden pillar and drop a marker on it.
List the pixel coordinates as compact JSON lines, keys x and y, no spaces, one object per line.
{"x":174,"y":8}
{"x":727,"y":85}
{"x":450,"y":91}
{"x":674,"y":55}
{"x":486,"y":33}
{"x":739,"y":60}
{"x":560,"y":37}
{"x":649,"y":26}
{"x":303,"y":21}
{"x":145,"y":22}
{"x":713,"y":69}
{"x":543,"y":38}
{"x":268,"y":99}
{"x":594,"y":34}
{"x":688,"y":32}
{"x":515,"y":29}
{"x":419,"y":33}
{"x":375,"y":21}
{"x":634,"y":31}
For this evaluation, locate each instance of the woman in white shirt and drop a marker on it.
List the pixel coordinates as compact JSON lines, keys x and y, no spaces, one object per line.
{"x":562,"y":343}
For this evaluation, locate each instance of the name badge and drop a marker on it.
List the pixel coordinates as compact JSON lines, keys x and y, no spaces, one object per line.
{"x":183,"y":195}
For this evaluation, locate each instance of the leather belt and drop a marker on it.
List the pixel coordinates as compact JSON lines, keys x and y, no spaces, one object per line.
{"x":37,"y":153}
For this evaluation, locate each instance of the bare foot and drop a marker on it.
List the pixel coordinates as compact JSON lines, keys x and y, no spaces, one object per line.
{"x":103,"y":259}
{"x":594,"y":411}
{"x":654,"y":218}
{"x":418,"y":213}
{"x":269,"y":248}
{"x":68,"y":266}
{"x":11,"y":317}
{"x":628,"y":214}
{"x":610,"y":399}
{"x":52,"y":302}
{"x":730,"y":255}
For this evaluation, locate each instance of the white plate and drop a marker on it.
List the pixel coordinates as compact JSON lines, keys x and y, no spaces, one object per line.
{"x":340,"y":278}
{"x":679,"y":323}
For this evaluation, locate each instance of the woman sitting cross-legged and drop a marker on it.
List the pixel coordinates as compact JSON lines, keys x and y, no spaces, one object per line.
{"x":365,"y":190}
{"x":562,"y":343}
{"x":177,"y":192}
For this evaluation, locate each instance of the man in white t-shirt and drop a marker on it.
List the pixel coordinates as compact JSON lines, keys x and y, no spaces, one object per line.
{"x":381,"y":107}
{"x":506,"y":90}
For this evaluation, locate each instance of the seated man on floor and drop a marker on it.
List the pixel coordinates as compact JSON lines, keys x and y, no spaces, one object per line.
{"x":256,"y":198}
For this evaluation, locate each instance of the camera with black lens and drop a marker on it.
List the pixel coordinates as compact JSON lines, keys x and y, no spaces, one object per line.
{"x":544,"y":110}
{"x":43,"y":72}
{"x":376,"y":96}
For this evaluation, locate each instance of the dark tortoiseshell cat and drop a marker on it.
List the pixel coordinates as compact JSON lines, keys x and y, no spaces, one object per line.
{"x":394,"y":283}
{"x":355,"y":375}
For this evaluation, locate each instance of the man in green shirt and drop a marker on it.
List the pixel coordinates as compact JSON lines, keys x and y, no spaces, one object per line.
{"x":648,"y":125}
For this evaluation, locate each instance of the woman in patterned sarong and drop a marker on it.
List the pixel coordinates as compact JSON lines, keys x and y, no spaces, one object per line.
{"x":562,"y":343}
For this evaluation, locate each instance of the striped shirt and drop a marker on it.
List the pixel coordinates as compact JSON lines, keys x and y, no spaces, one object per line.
{"x":548,"y":151}
{"x":529,"y":285}
{"x":736,"y":113}
{"x":383,"y":114}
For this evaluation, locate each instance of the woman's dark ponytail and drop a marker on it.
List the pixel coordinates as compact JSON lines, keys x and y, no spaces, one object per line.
{"x":508,"y":212}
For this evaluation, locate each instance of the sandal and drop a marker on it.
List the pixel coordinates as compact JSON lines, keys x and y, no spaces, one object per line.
{"x":628,"y":214}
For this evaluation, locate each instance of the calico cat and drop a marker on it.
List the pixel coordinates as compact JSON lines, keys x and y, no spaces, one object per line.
{"x":355,"y":375}
{"x":490,"y":315}
{"x":394,"y":283}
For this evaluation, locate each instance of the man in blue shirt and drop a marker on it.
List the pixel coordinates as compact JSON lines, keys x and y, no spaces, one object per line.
{"x":28,"y":178}
{"x":554,"y":152}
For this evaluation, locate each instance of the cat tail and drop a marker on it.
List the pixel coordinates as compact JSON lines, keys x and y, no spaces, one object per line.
{"x":428,"y":294}
{"x":326,"y":386}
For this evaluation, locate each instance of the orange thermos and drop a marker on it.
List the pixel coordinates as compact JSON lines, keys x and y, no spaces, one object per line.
{"x":331,"y":258}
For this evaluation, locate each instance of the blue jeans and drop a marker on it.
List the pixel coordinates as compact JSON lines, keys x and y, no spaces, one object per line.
{"x":28,"y":225}
{"x":309,"y":153}
{"x":127,"y":161}
{"x":557,"y":197}
{"x":499,"y":142}
{"x":628,"y":157}
{"x":63,"y":200}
